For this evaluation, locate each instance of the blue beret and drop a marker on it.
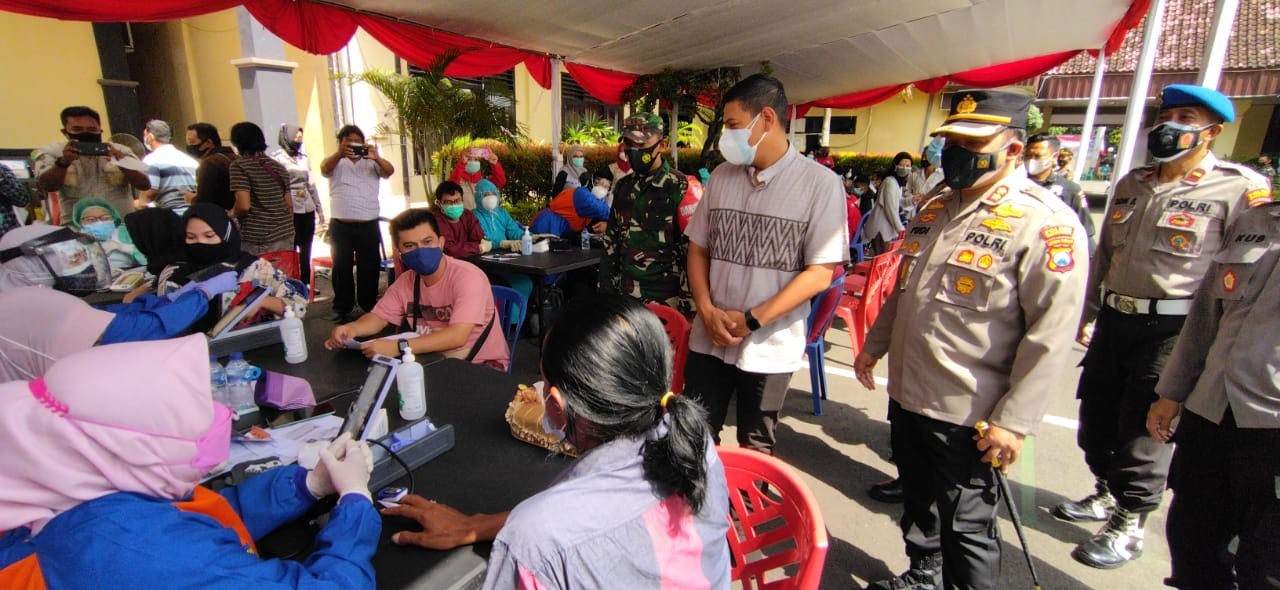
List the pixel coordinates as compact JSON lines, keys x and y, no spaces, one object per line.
{"x":1190,"y":95}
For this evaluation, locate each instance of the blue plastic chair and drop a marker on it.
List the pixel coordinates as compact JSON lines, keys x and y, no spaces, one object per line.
{"x":857,"y":249}
{"x":511,"y":307}
{"x":822,"y":309}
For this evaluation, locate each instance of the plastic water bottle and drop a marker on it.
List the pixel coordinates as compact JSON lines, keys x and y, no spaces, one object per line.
{"x":218,"y":381}
{"x":240,"y":385}
{"x":295,"y":339}
{"x":412,"y":387}
{"x":586,"y":239}
{"x":526,"y":242}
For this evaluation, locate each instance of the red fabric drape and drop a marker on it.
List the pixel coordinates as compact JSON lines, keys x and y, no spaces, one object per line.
{"x":315,"y":28}
{"x":421,"y":46}
{"x":539,"y":69}
{"x":117,"y":11}
{"x":606,"y":85}
{"x":855,"y":100}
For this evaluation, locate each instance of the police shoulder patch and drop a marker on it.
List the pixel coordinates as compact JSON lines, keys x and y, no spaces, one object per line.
{"x":1258,"y":196}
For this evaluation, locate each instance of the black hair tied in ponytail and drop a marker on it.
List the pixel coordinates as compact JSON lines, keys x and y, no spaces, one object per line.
{"x":611,"y":361}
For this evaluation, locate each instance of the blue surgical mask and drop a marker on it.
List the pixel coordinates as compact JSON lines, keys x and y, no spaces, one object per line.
{"x":735,"y":144}
{"x":473,"y":166}
{"x":422,"y":260}
{"x":101,"y":230}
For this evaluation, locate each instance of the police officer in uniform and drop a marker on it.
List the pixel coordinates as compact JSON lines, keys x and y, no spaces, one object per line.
{"x":985,"y":310}
{"x":1224,"y":378}
{"x":1042,"y":158}
{"x":645,"y":244}
{"x":1165,"y":225}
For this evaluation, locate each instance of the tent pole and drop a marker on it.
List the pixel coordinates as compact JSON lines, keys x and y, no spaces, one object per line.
{"x":793,"y":126}
{"x":1141,"y":85}
{"x":826,"y":128}
{"x":1090,"y":116}
{"x":557,"y":106}
{"x":1215,"y":51}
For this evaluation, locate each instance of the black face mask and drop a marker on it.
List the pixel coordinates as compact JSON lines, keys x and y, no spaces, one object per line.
{"x":643,"y":160}
{"x":292,"y":147}
{"x":203,"y":255}
{"x":195,"y":151}
{"x":962,"y":168}
{"x":1167,"y":141}
{"x":86,"y":137}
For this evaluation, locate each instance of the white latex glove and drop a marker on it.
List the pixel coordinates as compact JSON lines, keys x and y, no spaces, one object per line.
{"x":513,"y":245}
{"x":349,"y":474}
{"x":223,"y":283}
{"x":485,"y":246}
{"x":319,"y":483}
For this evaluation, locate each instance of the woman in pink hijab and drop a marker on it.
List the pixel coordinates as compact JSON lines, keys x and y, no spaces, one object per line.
{"x":98,"y":483}
{"x":39,"y":325}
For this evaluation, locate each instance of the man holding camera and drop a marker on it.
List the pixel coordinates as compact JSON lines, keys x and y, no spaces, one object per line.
{"x":354,"y":173}
{"x":83,"y":166}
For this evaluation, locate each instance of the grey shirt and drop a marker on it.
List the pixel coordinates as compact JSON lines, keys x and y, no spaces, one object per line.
{"x":985,"y":308}
{"x":760,"y":238}
{"x":1228,"y":354}
{"x":1157,"y":239}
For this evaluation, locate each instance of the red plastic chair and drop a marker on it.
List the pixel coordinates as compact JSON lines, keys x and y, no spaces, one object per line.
{"x":678,"y":332}
{"x":285,"y":261}
{"x":776,"y":530}
{"x":859,"y":309}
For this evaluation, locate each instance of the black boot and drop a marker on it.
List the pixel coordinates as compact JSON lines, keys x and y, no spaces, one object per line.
{"x":889,"y":492}
{"x":1095,"y":507}
{"x":925,"y":574}
{"x":1118,"y":542}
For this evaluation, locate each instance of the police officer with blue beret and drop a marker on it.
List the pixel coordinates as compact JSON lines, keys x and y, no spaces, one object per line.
{"x":1165,"y":224}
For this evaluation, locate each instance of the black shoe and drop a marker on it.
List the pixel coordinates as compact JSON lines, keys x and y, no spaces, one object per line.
{"x":923,"y":575}
{"x":1096,"y":507}
{"x":340,"y":317}
{"x":1117,"y":543}
{"x":889,"y":492}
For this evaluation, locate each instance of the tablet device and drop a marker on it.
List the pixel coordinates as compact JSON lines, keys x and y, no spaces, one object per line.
{"x":382,"y":373}
{"x":240,"y":311}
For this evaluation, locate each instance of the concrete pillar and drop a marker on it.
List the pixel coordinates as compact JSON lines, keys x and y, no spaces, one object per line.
{"x":266,"y":78}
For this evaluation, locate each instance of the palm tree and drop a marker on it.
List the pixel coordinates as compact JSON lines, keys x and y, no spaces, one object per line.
{"x":432,"y":110}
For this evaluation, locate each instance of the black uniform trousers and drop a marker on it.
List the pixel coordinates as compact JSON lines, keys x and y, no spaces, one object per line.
{"x":714,"y":383}
{"x":950,"y":498}
{"x":1116,"y":390}
{"x":358,"y":241}
{"x":1226,"y":484}
{"x":304,"y":232}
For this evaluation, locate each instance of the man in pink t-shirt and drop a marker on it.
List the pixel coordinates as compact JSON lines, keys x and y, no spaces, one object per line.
{"x":449,"y":307}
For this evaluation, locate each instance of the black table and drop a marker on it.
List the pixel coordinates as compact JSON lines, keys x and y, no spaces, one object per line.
{"x":487,"y":471}
{"x":538,"y":266}
{"x":330,"y":372}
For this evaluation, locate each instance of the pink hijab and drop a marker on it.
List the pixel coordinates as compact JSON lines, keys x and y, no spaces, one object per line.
{"x":39,"y":326}
{"x":123,"y":417}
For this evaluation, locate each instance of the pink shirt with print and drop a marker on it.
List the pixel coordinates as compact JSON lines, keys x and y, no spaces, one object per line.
{"x":463,"y":296}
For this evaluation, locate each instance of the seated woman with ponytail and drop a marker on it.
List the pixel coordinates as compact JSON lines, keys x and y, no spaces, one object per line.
{"x":645,"y":505}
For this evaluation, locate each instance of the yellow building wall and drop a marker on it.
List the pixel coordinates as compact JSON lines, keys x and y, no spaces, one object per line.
{"x":212,"y":41}
{"x":63,"y":71}
{"x":533,"y":107}
{"x":1250,"y":129}
{"x":895,"y":125}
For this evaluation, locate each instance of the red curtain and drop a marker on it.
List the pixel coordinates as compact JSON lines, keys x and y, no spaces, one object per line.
{"x":117,"y":11}
{"x":421,"y":46}
{"x":606,"y":85}
{"x":540,"y":69}
{"x":855,"y":100}
{"x":315,"y":28}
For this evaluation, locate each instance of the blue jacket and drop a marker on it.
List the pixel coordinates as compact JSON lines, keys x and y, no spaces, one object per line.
{"x":584,"y":205}
{"x":154,"y":318}
{"x":498,"y":225}
{"x":126,"y":540}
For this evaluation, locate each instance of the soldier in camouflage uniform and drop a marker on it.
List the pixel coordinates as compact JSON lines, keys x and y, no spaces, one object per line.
{"x":645,"y":244}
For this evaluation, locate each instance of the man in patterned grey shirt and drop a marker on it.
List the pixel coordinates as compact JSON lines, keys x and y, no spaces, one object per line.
{"x":769,"y":234}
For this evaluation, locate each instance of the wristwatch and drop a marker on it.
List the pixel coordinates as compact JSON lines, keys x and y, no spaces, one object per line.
{"x":404,"y":346}
{"x":752,"y":323}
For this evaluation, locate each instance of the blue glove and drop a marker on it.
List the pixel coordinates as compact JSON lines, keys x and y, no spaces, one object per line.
{"x":173,"y":296}
{"x":224,"y":283}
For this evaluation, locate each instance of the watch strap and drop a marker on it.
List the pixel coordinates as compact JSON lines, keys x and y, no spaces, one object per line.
{"x":752,"y":323}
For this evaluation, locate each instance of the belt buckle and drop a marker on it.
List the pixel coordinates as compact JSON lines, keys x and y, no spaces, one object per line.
{"x":1126,"y":304}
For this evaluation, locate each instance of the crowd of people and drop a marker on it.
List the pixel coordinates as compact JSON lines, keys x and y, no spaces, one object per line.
{"x":1001,"y":273}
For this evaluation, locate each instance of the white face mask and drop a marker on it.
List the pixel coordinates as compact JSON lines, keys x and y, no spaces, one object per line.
{"x":490,"y":202}
{"x":735,"y":144}
{"x":600,"y":192}
{"x":1037,"y":167}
